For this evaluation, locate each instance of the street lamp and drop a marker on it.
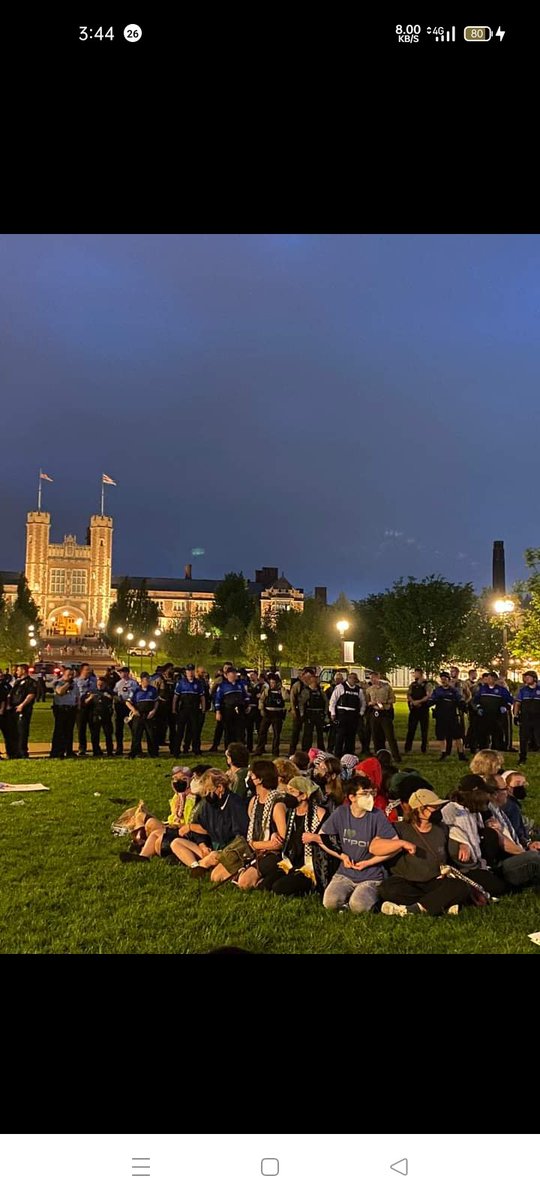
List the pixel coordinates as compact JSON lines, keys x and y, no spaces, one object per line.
{"x":129,"y":639}
{"x":151,"y":647}
{"x":263,"y":639}
{"x":502,"y":608}
{"x":33,"y":642}
{"x":157,"y":632}
{"x":342,"y":627}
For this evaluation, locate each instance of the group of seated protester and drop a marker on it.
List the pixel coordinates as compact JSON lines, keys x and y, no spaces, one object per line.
{"x":362,"y":835}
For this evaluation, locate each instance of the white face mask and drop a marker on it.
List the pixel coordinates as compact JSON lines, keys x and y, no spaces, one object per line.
{"x":363,"y":802}
{"x":195,"y":787}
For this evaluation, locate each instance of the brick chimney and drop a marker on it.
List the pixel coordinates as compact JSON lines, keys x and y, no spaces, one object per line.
{"x":187,"y":571}
{"x":320,"y":595}
{"x":267,"y":576}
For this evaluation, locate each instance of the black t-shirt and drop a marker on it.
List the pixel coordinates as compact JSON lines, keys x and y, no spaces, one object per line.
{"x":432,"y":850}
{"x":21,"y":689}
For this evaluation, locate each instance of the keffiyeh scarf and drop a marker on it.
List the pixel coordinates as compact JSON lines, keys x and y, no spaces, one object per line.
{"x":266,"y":819}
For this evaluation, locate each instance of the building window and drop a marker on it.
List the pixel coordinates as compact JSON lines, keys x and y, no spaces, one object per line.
{"x":78,"y":583}
{"x":58,"y":582}
{"x":179,"y":606}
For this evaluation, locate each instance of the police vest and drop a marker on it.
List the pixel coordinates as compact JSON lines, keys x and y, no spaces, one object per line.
{"x":315,"y":701}
{"x":189,"y":693}
{"x":349,"y":702}
{"x":274,"y":701}
{"x":418,"y":690}
{"x":233,"y":698}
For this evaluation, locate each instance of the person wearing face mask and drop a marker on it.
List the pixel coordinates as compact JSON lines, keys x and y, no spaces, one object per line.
{"x":156,"y":836}
{"x":527,"y":713}
{"x":241,"y":859}
{"x":326,"y":772}
{"x":517,"y":793}
{"x":219,"y":819}
{"x":237,"y":759}
{"x":303,"y":866}
{"x":354,"y":826}
{"x":518,"y":865}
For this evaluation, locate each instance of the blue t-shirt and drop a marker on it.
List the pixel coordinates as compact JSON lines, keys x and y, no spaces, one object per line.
{"x":354,"y":835}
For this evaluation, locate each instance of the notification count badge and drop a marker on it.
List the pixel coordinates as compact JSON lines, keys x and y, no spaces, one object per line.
{"x":133,"y":33}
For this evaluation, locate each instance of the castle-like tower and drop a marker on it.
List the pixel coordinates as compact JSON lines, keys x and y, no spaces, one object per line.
{"x":70,"y":583}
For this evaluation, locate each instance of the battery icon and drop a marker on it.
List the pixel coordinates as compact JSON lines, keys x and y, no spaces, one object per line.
{"x":477,"y":33}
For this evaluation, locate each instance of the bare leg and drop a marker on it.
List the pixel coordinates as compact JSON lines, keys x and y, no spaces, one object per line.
{"x":220,"y":874}
{"x":154,"y":826}
{"x":248,"y":879}
{"x":152,"y":845}
{"x":185,"y":851}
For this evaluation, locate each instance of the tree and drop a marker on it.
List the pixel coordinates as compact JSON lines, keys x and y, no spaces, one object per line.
{"x":232,"y":600}
{"x":524,"y":640}
{"x":423,"y":619}
{"x":181,"y":646}
{"x":120,"y":611}
{"x":144,"y":611}
{"x":133,"y":610}
{"x":480,"y":641}
{"x":309,"y":637}
{"x":373,"y":647}
{"x":25,"y":604}
{"x":14,"y":636}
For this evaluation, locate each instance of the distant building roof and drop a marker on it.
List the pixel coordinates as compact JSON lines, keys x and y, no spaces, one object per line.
{"x":162,"y":584}
{"x":10,"y":577}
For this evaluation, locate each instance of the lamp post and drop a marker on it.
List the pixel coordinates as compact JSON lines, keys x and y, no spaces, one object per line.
{"x":502,"y":607}
{"x":263,"y":640}
{"x":129,"y":639}
{"x":141,"y":644}
{"x":342,"y":627}
{"x":151,"y":647}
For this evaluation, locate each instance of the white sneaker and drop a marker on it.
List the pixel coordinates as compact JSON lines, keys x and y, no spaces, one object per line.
{"x":454,"y":910}
{"x":394,"y":910}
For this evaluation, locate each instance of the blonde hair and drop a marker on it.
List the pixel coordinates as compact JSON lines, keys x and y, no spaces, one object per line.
{"x":211,"y":780}
{"x":487,"y":763}
{"x":286,"y":769}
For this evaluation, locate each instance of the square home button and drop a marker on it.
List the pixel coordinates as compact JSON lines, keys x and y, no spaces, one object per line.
{"x":269,"y":1166}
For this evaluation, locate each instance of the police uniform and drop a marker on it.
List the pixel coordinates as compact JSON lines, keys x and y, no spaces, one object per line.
{"x":123,"y":690}
{"x":528,"y":699}
{"x":219,"y":726}
{"x":491,"y":705}
{"x":165,"y":718}
{"x":189,"y":694}
{"x":64,"y":709}
{"x":294,"y":697}
{"x":144,"y":700}
{"x":381,"y":720}
{"x":22,"y":688}
{"x":7,"y":719}
{"x":101,"y":717}
{"x":85,"y":687}
{"x":231,"y":700}
{"x":332,"y":731}
{"x":418,"y":716}
{"x":471,"y":737}
{"x":253,"y":717}
{"x":314,"y":710}
{"x":272,"y":709}
{"x":347,"y":705}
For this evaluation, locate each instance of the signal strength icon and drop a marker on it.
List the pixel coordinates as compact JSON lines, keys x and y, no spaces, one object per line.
{"x":447,"y":35}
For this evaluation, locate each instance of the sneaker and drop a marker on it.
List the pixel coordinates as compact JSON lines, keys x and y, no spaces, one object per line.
{"x":395,"y":910}
{"x":453,"y":910}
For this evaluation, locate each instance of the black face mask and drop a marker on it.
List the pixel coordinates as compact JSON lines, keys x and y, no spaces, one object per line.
{"x":292,"y":801}
{"x":215,"y":800}
{"x":319,"y":778}
{"x":180,"y":785}
{"x":518,"y":793}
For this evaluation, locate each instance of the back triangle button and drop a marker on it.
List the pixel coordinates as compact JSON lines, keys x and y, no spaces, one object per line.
{"x":401,"y":1166}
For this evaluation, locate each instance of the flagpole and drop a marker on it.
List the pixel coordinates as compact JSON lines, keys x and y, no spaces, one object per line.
{"x":102,"y":497}
{"x":39,"y":492}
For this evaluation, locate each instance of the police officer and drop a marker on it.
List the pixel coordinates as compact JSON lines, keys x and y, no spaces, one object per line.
{"x":314,"y":711}
{"x":461,"y":686}
{"x":296,"y":712}
{"x":418,"y":701}
{"x":101,"y":715}
{"x":471,"y":738}
{"x":86,"y":684}
{"x":65,"y":707}
{"x":23,"y":695}
{"x":230,"y":702}
{"x":492,"y":702}
{"x":202,"y":675}
{"x":338,"y":679}
{"x":219,"y":678}
{"x":7,"y":717}
{"x":143,"y":706}
{"x":347,"y":706}
{"x":253,"y":717}
{"x":380,"y":702}
{"x":447,"y":701}
{"x":272,"y":710}
{"x":527,"y":713}
{"x":123,"y":691}
{"x":188,"y":703}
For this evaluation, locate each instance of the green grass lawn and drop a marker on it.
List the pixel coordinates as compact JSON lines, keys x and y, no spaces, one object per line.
{"x":64,"y":890}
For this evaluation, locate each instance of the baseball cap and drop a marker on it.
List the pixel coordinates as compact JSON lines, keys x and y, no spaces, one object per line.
{"x":145,"y":675}
{"x":472,"y":783}
{"x":190,"y":667}
{"x":422,"y":798}
{"x":229,"y":669}
{"x":124,"y":668}
{"x":444,"y":675}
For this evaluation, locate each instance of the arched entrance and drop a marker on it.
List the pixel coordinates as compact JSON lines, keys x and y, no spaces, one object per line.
{"x":66,"y":621}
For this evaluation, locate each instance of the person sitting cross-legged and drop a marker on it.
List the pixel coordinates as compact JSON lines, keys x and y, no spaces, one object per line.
{"x":219,"y":818}
{"x":303,"y":867}
{"x":352,"y":828}
{"x":241,"y":859}
{"x":518,"y":866}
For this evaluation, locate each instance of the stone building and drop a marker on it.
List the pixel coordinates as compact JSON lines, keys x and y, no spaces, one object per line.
{"x":74,"y":587}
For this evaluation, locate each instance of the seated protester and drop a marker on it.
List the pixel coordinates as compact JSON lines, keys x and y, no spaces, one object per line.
{"x":517,"y":792}
{"x":301,"y":760}
{"x":263,"y":833}
{"x":237,"y":757}
{"x":303,"y":867}
{"x":373,"y":769}
{"x":220,"y":817}
{"x":470,"y":844}
{"x":286,"y":771}
{"x":415,"y":884}
{"x":158,"y":835}
{"x":487,"y":763}
{"x":326,"y":773}
{"x":518,"y":866}
{"x":355,"y":824}
{"x":388,"y":768}
{"x":348,"y":762}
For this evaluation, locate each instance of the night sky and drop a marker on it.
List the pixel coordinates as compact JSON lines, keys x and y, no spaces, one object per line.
{"x":347,"y":408}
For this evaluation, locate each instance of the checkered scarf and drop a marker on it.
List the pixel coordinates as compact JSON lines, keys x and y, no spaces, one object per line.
{"x":311,"y":824}
{"x":271,"y":799}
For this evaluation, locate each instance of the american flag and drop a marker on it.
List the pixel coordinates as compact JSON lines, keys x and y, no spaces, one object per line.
{"x":42,"y":475}
{"x":107,"y":479}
